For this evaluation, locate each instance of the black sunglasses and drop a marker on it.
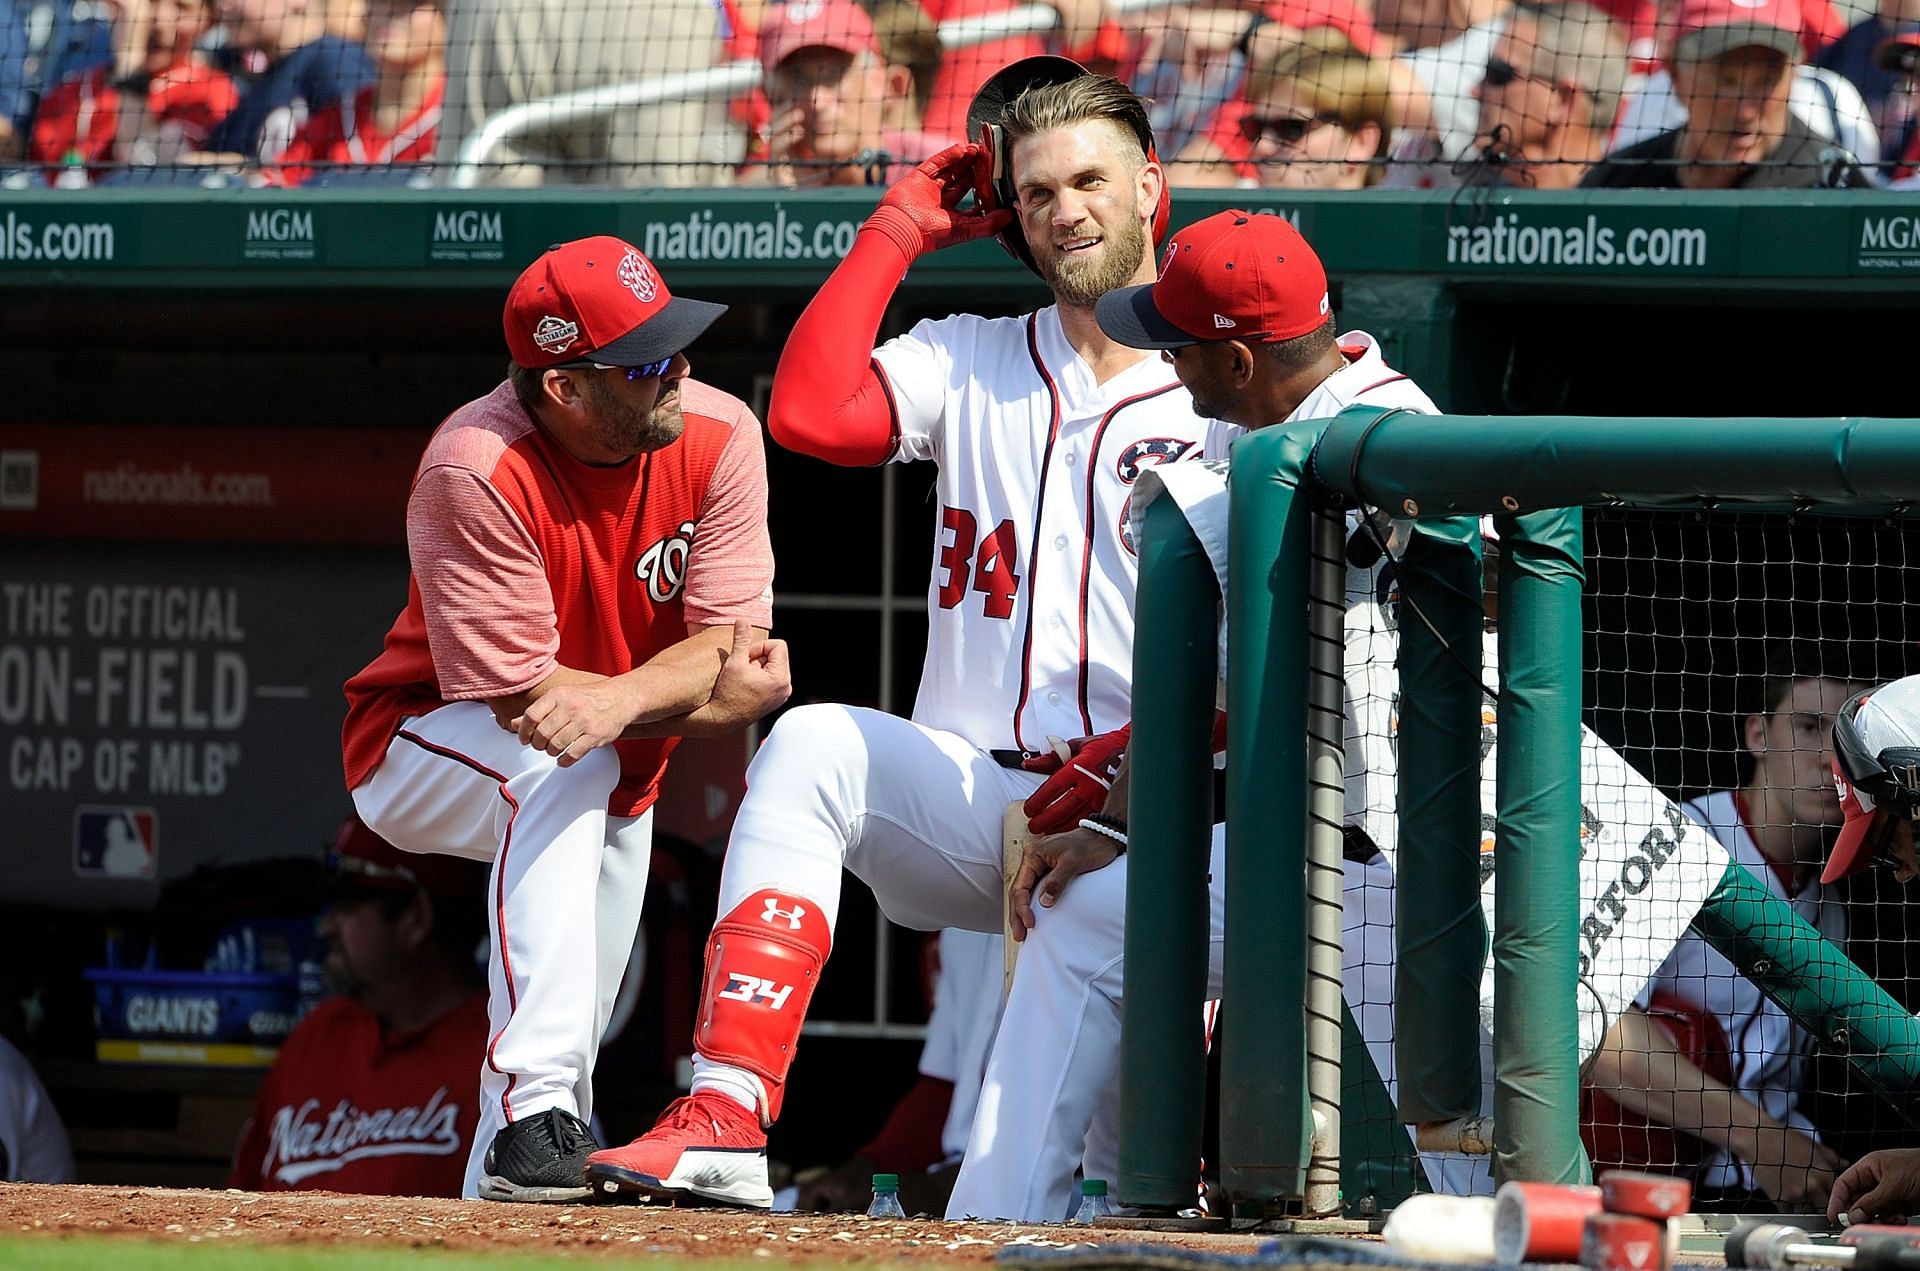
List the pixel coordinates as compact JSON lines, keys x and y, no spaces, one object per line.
{"x":1284,"y":130}
{"x":1500,"y":73}
{"x":645,"y":371}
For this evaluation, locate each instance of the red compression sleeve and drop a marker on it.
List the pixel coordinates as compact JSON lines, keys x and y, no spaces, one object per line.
{"x":910,"y":1140}
{"x":828,"y":399}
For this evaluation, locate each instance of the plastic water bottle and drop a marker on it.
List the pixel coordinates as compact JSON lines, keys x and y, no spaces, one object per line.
{"x":886,"y":1197}
{"x":1093,"y":1201}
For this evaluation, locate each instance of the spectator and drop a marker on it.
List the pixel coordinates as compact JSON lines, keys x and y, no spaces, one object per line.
{"x":377,"y":1090}
{"x":1316,"y":116}
{"x":1776,"y":825}
{"x":392,"y":123}
{"x":1083,"y":33}
{"x":308,"y":68}
{"x":33,"y":1142}
{"x":1550,"y":94}
{"x":837,"y":103}
{"x":1195,"y":60}
{"x":502,"y":53}
{"x":1436,"y":82}
{"x":158,"y":102}
{"x":1733,"y":69}
{"x":1876,"y":740}
{"x":44,"y":43}
{"x":1900,"y":54}
{"x":1870,"y":56}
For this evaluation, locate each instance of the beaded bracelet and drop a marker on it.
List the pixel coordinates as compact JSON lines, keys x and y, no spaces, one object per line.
{"x":1107,"y":826}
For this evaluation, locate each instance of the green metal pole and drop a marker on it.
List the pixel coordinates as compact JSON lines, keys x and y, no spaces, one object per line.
{"x":1170,"y":825}
{"x":1536,"y":914}
{"x":1264,"y":1124}
{"x":1792,"y":963}
{"x":1442,"y":930}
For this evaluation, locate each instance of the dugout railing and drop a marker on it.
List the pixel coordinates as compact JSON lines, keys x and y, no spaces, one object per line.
{"x":1280,"y":1134}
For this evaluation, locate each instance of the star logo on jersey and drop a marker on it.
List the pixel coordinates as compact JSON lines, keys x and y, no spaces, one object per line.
{"x":1148,"y":451}
{"x":637,"y":276}
{"x":556,"y":335}
{"x":774,"y":913}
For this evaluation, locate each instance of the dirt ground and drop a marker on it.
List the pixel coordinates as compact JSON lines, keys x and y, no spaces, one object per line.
{"x":323,"y":1218}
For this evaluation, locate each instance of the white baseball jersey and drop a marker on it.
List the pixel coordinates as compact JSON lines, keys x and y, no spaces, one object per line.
{"x":1030,"y":606}
{"x":1767,"y":1050}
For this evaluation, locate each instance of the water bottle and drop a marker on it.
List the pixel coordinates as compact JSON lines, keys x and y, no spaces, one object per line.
{"x":886,"y":1197}
{"x":73,"y":172}
{"x":1093,"y":1201}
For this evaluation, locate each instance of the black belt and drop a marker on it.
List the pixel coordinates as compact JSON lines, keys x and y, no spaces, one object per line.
{"x":1012,"y":758}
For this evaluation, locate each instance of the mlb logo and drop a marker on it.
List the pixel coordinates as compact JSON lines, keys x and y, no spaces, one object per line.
{"x":115,"y":842}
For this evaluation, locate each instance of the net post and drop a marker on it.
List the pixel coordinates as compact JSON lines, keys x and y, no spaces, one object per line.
{"x":1170,"y":825}
{"x":1441,"y":929}
{"x":1264,"y":1122}
{"x":1536,"y":944}
{"x":1326,"y":873}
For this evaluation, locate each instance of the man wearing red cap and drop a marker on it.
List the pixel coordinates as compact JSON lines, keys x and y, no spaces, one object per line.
{"x":373,"y":1092}
{"x":591,"y":581}
{"x":1733,"y":66}
{"x":832,"y":94}
{"x":1876,"y":767}
{"x":1241,"y":312}
{"x":1039,"y":425}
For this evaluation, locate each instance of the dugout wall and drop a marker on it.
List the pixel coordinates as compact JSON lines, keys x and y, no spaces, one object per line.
{"x":171,"y":327}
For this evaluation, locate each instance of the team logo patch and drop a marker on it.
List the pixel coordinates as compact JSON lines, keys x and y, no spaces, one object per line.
{"x":1148,"y":451}
{"x":637,"y":276}
{"x":1166,"y":261}
{"x":663,"y":567}
{"x":556,"y":335}
{"x":115,"y":842}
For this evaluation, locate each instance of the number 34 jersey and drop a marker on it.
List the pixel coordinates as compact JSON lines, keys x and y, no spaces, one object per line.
{"x":1030,"y":603}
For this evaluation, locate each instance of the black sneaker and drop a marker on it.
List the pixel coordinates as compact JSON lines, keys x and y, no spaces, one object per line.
{"x":541,"y":1159}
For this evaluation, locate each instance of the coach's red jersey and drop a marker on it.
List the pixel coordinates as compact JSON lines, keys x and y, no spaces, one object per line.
{"x":349,"y":1107}
{"x":524,"y":559}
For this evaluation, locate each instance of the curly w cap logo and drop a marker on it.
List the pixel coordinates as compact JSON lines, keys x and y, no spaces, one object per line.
{"x":1173,"y":247}
{"x":638,"y":277}
{"x":556,"y":335}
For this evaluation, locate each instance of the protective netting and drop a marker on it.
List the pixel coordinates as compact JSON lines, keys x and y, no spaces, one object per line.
{"x":1250,"y":93}
{"x":1717,"y":648}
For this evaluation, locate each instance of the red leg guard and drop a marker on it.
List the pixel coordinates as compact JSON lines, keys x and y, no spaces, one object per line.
{"x":763,"y":962}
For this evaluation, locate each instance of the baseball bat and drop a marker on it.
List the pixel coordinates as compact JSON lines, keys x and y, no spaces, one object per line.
{"x":1779,"y":1247}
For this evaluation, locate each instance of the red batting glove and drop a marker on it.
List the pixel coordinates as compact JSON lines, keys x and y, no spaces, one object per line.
{"x":1080,"y":785}
{"x":921,"y":212}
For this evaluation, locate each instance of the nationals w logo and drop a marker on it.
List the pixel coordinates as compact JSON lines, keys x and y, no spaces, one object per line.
{"x":663,"y":567}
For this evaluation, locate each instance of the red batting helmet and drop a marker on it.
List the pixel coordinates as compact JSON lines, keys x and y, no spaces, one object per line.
{"x":986,"y":115}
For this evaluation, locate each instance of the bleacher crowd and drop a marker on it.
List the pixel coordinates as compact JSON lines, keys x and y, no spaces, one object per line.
{"x":1247,"y":93}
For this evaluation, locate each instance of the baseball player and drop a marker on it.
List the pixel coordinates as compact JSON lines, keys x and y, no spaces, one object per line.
{"x":1876,"y":768}
{"x":1776,"y":825}
{"x":591,"y":580}
{"x":1242,"y":313}
{"x":1039,"y":426}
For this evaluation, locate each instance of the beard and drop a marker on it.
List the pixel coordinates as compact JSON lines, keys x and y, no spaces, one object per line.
{"x":1080,"y":281}
{"x":624,"y":428}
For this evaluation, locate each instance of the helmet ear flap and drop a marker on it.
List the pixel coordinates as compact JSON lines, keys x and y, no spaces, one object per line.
{"x":997,"y":190}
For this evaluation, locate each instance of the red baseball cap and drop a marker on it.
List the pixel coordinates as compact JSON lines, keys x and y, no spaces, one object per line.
{"x":362,"y":863}
{"x":1233,"y":276}
{"x":806,"y":24}
{"x":1708,"y":28}
{"x":598,"y":299}
{"x":1344,"y":16}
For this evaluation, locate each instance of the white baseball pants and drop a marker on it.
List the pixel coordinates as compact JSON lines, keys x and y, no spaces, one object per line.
{"x":1049,"y":1104}
{"x":914,"y":812}
{"x":455,"y":782}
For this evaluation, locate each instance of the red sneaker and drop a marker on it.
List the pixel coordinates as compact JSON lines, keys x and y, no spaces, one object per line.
{"x":705,"y":1147}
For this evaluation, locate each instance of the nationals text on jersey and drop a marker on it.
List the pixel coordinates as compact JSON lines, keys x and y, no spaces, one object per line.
{"x":302,"y":1146}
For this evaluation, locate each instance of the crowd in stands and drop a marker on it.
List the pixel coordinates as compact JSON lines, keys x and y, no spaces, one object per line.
{"x":1245,"y":93}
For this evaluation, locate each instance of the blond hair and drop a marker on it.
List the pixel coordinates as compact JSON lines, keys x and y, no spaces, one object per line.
{"x":1330,"y":77}
{"x":1050,"y":107}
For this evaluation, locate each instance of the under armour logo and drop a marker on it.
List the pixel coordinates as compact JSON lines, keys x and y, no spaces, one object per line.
{"x":791,"y":917}
{"x":1222,"y":324}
